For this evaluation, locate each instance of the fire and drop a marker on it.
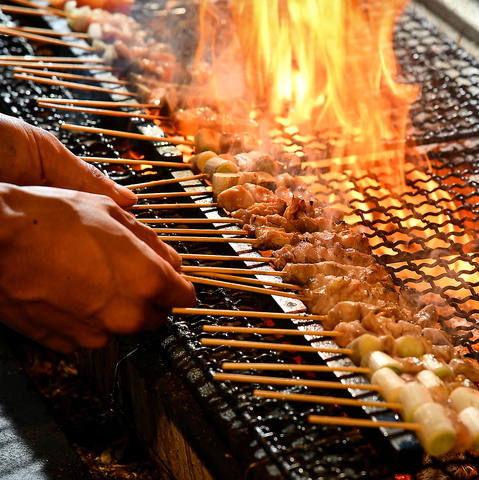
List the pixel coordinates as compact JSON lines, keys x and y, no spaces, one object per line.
{"x":326,"y":67}
{"x":324,"y":73}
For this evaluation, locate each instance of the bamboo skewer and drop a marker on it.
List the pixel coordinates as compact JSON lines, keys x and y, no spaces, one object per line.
{"x":235,"y":271}
{"x":96,"y":111}
{"x":359,"y":422}
{"x":168,"y":181}
{"x":199,"y":231}
{"x":226,"y":258}
{"x":174,"y":195}
{"x":43,"y":39}
{"x":52,"y":33}
{"x":271,"y":331}
{"x":281,"y":367}
{"x":51,"y":10}
{"x":238,"y":286}
{"x":129,"y":161}
{"x":71,"y":76}
{"x":58,"y":66}
{"x":246,"y":313}
{"x":99,"y":103}
{"x":78,"y":86}
{"x":206,"y":239}
{"x":48,"y":59}
{"x":188,"y":220}
{"x":253,"y":281}
{"x":36,"y":12}
{"x":300,"y":397}
{"x":273,"y":346}
{"x":172,"y":206}
{"x":136,"y":136}
{"x":236,"y":377}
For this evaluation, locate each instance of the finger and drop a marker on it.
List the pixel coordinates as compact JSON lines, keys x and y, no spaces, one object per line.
{"x":147,"y":235}
{"x":63,"y":169}
{"x":176,"y":291}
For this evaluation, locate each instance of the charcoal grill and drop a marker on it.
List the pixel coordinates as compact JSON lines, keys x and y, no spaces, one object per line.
{"x":162,"y":382}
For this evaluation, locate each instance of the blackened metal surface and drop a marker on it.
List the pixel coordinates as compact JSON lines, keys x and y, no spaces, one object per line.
{"x":447,"y":108}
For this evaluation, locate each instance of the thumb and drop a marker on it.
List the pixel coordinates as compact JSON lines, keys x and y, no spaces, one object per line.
{"x":63,"y":169}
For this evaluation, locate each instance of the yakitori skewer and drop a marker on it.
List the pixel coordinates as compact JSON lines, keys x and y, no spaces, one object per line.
{"x":58,"y":66}
{"x":168,"y":181}
{"x":219,"y":342}
{"x":95,"y":111}
{"x":98,"y":103}
{"x":53,"y":33}
{"x":49,"y":59}
{"x":253,"y":281}
{"x":246,"y":313}
{"x":199,"y":231}
{"x":238,"y":286}
{"x":359,"y":422}
{"x":302,"y":382}
{"x":119,"y":133}
{"x":44,"y":39}
{"x":270,"y":331}
{"x":226,"y":258}
{"x":188,"y":220}
{"x":78,"y":86}
{"x":294,"y":367}
{"x":172,"y":206}
{"x":71,"y":76}
{"x":235,"y":271}
{"x":301,"y":397}
{"x":130,"y":161}
{"x":174,"y":195}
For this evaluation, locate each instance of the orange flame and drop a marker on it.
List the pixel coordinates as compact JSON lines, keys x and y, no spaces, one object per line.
{"x":322,"y":66}
{"x":325,"y":72}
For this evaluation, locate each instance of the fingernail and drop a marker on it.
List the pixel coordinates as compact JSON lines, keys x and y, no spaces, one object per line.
{"x":125,"y":192}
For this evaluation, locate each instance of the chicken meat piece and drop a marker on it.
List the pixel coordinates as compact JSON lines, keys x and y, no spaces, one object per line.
{"x":301,"y":273}
{"x":303,"y":252}
{"x":349,"y":331}
{"x":235,"y":198}
{"x":261,"y":209}
{"x":426,"y":317}
{"x":346,"y":238}
{"x":260,"y":194}
{"x":309,"y":216}
{"x":466,"y":367}
{"x":350,"y":256}
{"x":275,"y":221}
{"x":274,"y":238}
{"x":348,"y":311}
{"x":187,"y":122}
{"x":331,"y":290}
{"x":327,"y":290}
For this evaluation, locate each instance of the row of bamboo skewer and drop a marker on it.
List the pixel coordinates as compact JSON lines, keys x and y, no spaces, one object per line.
{"x":32,"y":68}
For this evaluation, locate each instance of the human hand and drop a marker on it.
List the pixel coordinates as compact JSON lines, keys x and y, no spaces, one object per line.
{"x":76,"y":270}
{"x":32,"y":156}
